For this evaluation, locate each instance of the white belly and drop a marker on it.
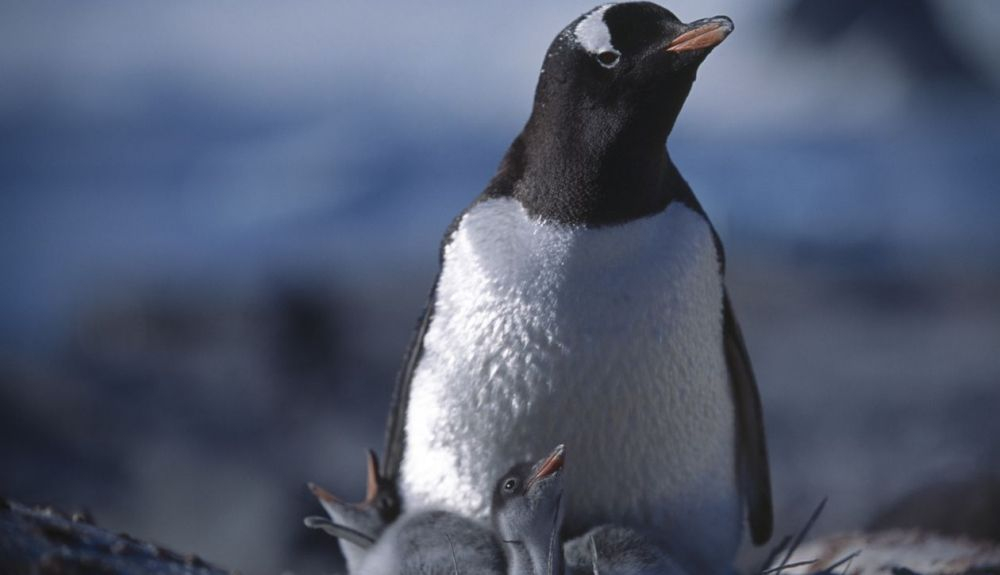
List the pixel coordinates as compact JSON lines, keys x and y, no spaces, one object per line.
{"x":608,"y":340}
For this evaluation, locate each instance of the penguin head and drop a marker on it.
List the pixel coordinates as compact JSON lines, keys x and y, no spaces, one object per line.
{"x":379,"y":508}
{"x":527,"y":500}
{"x":623,"y":70}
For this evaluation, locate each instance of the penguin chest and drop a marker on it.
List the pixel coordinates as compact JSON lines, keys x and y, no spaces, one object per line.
{"x":608,"y":340}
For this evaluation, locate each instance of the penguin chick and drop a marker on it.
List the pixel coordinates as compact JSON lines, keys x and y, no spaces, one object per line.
{"x":367,"y":519}
{"x":527,"y":515}
{"x":434,"y":542}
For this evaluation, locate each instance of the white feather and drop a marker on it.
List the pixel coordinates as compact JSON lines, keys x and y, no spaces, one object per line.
{"x":592,"y":33}
{"x":606,"y":339}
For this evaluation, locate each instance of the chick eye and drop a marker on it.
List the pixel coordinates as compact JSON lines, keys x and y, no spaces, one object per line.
{"x":510,"y":485}
{"x":609,"y":58}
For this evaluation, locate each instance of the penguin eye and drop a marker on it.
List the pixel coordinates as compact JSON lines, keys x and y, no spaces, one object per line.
{"x":609,"y":58}
{"x":510,"y":485}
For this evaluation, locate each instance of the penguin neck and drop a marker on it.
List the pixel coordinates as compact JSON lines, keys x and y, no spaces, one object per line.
{"x":591,"y":179}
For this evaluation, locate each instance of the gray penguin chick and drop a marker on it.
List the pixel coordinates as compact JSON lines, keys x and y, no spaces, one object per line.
{"x":527,"y":514}
{"x":357,"y":525}
{"x":527,"y":517}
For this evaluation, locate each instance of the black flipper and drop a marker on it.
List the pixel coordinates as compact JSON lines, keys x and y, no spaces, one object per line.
{"x":395,"y":429}
{"x":750,"y":427}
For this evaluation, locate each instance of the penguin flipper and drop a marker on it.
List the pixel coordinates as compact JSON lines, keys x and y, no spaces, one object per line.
{"x":750,"y":426}
{"x":395,"y":429}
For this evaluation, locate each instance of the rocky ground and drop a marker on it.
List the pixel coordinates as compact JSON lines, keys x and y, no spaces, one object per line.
{"x":44,"y":541}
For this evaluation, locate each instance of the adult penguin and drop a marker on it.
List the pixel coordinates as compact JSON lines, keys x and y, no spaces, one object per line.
{"x":581,"y":300}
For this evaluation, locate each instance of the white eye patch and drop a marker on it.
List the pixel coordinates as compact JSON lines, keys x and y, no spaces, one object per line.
{"x":593,"y":34}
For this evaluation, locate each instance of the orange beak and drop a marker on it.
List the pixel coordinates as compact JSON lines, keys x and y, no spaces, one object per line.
{"x":322,"y":494}
{"x":554,"y":462}
{"x":703,"y":34}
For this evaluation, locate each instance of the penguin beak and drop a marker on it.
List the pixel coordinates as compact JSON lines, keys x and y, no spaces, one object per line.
{"x":328,"y":499}
{"x":552,"y":464}
{"x":323,"y":494}
{"x":702,"y":35}
{"x":371,"y":489}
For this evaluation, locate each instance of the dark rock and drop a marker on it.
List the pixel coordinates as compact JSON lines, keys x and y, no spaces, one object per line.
{"x":46,"y":541}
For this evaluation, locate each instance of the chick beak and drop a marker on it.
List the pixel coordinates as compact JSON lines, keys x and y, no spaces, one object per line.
{"x":371,"y":489}
{"x":552,"y":464}
{"x":702,"y":35}
{"x":323,"y":494}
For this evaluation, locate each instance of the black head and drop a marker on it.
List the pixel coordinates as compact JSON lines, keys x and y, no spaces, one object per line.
{"x":611,"y":87}
{"x":527,"y":500}
{"x":624,"y":70}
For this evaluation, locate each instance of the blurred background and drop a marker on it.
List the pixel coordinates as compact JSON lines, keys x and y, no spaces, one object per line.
{"x":219,"y":222}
